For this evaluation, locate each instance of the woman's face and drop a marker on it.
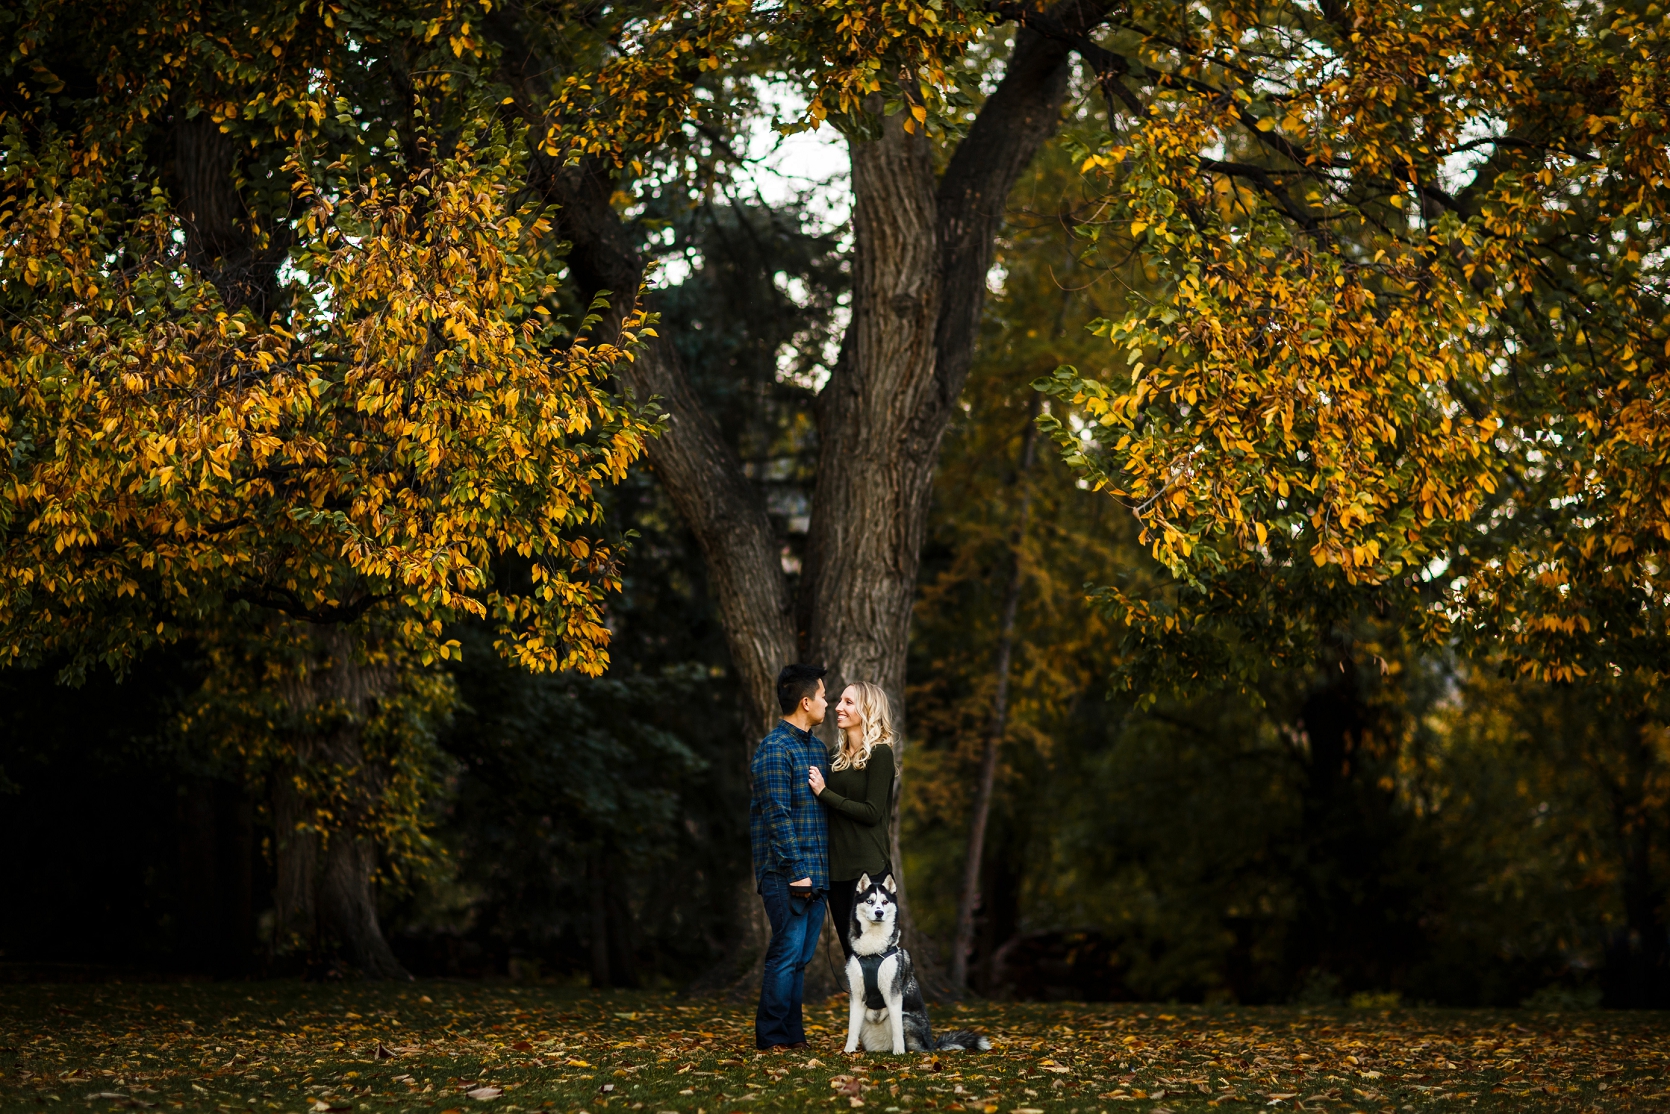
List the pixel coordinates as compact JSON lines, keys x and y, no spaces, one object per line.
{"x":847,"y":714}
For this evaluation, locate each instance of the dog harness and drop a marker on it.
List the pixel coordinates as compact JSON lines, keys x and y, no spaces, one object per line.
{"x":871,"y":965}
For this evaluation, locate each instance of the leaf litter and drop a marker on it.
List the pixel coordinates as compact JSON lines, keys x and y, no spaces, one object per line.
{"x":287,"y":1048}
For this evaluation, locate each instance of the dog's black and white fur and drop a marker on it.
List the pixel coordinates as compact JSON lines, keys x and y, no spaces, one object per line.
{"x":894,"y":1019}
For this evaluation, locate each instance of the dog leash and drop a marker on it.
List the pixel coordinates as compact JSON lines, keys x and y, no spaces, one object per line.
{"x":831,"y":962}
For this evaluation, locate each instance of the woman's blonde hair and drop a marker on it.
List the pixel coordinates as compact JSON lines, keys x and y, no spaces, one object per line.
{"x":877,"y":728}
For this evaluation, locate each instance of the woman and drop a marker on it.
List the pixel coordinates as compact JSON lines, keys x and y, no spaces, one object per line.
{"x":859,"y":797}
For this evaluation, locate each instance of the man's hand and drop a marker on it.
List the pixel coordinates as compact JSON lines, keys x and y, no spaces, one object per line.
{"x":806,"y":881}
{"x":814,"y":778}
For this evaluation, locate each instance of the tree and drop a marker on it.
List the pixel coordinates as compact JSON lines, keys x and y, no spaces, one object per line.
{"x":259,"y":357}
{"x":1406,"y":354}
{"x":926,"y":210}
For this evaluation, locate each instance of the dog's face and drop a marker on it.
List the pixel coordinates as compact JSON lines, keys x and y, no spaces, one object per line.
{"x":876,"y":904}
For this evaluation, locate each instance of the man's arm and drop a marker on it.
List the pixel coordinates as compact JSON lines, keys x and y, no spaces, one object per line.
{"x":775,"y":785}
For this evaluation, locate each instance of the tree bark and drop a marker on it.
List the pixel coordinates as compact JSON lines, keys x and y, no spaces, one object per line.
{"x":348,"y":902}
{"x":295,"y":851}
{"x":221,"y":241}
{"x":331,"y":700}
{"x":964,"y":942}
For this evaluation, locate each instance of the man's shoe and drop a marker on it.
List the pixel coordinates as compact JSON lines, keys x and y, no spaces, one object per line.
{"x":795,"y":1045}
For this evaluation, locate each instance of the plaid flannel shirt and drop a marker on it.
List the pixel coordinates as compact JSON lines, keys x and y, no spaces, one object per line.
{"x":786,"y":825}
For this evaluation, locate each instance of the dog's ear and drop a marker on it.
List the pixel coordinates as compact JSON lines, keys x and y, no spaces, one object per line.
{"x":863,"y":882}
{"x":888,"y":882}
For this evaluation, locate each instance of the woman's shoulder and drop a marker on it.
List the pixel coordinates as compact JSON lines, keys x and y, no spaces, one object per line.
{"x":882,"y":752}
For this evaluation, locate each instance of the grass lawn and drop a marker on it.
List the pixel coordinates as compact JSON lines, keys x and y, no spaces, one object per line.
{"x":465,"y":1048}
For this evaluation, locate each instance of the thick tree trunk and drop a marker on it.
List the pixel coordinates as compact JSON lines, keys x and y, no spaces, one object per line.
{"x":348,"y":903}
{"x":964,"y":942}
{"x":295,"y":853}
{"x":330,"y":880}
{"x":221,"y":241}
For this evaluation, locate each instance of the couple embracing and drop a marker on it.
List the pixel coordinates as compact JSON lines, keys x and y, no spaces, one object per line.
{"x":818,"y":822}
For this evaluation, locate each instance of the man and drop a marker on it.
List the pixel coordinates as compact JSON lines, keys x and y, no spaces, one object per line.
{"x":791,"y":866}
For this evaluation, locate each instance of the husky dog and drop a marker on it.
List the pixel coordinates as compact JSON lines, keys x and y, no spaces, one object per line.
{"x":888,"y":1013}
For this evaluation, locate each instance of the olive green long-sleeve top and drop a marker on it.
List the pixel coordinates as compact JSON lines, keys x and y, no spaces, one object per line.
{"x":860,"y":804}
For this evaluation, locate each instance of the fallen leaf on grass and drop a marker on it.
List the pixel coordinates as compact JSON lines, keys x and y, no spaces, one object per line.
{"x":848,"y":1085}
{"x":383,"y":1052}
{"x":522,"y":1046}
{"x":814,"y":1062}
{"x":485,"y":1094}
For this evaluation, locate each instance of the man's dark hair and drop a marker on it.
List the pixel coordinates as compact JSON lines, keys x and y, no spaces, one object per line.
{"x":795,"y":683}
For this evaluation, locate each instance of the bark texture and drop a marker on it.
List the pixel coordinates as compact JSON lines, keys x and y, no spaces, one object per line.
{"x":327,"y":883}
{"x":295,"y":851}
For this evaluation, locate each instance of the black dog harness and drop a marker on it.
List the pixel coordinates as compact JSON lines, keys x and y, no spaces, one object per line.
{"x":871,"y":965}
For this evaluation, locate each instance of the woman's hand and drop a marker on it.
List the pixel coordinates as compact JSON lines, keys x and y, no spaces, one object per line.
{"x":815,"y":779}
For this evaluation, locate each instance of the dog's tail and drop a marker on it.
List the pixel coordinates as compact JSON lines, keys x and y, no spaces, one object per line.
{"x":961,"y":1040}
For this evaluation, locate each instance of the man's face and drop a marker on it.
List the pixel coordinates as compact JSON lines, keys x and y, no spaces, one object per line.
{"x":816,"y":705}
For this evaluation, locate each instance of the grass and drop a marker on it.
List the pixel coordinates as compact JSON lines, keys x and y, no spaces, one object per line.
{"x":291,"y":1048}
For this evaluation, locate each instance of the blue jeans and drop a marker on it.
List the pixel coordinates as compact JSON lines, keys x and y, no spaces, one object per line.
{"x":795,"y":924}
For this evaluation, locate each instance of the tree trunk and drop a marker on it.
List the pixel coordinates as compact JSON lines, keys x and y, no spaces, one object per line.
{"x":295,"y":851}
{"x":922,"y":254}
{"x":348,"y":902}
{"x":964,"y":942}
{"x":221,"y":241}
{"x":330,"y":699}
{"x":599,"y":923}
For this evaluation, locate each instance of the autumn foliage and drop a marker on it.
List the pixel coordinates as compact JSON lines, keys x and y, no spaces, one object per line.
{"x":385,"y":415}
{"x":1407,"y":341}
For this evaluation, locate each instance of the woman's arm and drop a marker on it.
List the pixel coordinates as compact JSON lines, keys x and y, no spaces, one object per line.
{"x":872,"y":810}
